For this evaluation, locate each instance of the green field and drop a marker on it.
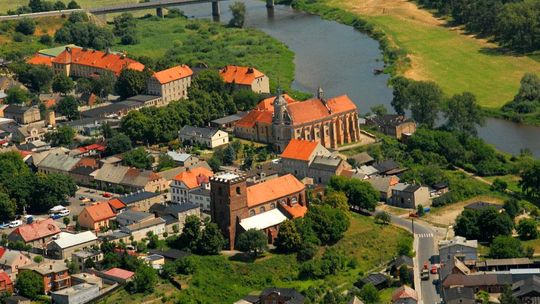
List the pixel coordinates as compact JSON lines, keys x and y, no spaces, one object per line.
{"x":455,"y":61}
{"x":11,"y":4}
{"x":217,"y":279}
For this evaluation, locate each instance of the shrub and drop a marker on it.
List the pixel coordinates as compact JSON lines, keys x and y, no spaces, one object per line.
{"x":26,"y":26}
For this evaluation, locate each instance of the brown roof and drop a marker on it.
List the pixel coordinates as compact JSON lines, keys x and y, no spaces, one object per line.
{"x":299,"y":149}
{"x":477,"y":279}
{"x":37,"y":230}
{"x":273,"y":189}
{"x":119,"y":273}
{"x":100,"y":211}
{"x":404,"y":292}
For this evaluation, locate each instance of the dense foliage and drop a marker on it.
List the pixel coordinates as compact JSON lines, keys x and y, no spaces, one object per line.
{"x":36,"y":6}
{"x":359,"y":193}
{"x":79,"y":31}
{"x":507,"y":247}
{"x":29,"y":284}
{"x":484,"y":224}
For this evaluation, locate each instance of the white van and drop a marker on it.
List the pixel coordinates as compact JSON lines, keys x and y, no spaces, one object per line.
{"x":64,"y":212}
{"x":57,"y":209}
{"x":14,"y":224}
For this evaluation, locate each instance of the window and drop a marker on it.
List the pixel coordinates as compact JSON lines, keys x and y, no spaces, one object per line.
{"x":262,"y":209}
{"x":251,"y":212}
{"x":238,"y":190}
{"x":273,"y":206}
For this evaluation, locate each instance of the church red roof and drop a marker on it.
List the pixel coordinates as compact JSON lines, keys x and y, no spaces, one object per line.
{"x":299,"y":149}
{"x":98,"y":59}
{"x":268,"y":103}
{"x":273,"y":189}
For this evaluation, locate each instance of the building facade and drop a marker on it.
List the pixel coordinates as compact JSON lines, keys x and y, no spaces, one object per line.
{"x":410,"y":196}
{"x":171,"y":84}
{"x":21,"y":114}
{"x":246,"y":78}
{"x":206,"y":137}
{"x":188,"y":181}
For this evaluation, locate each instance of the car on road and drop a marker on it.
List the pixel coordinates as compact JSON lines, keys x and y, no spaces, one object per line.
{"x":434,"y":269}
{"x":15,"y":224}
{"x":4,"y":225}
{"x":55,"y":216}
{"x":106,"y":195}
{"x":424,"y":275}
{"x":64,"y":212}
{"x":85,"y":200}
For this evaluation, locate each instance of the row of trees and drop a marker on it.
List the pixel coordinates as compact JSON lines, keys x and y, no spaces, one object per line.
{"x":36,"y":6}
{"x":527,"y":100}
{"x":513,"y":23}
{"x":79,"y":31}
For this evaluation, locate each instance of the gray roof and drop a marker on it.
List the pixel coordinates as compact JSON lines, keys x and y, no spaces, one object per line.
{"x":375,"y":278}
{"x":83,"y":170}
{"x":460,"y":293}
{"x":143,"y":98}
{"x":111,"y":173}
{"x":524,"y":287}
{"x":380,"y":183}
{"x":59,"y":161}
{"x":138,"y":226}
{"x":386,"y":165}
{"x":111,"y":109}
{"x":230,"y":118}
{"x":10,"y":256}
{"x":172,"y":209}
{"x":329,"y":163}
{"x":362,"y":158}
{"x":138,"y":178}
{"x":47,"y":267}
{"x":294,"y":297}
{"x":133,"y":216}
{"x":89,"y":121}
{"x":201,"y":192}
{"x":478,"y":279}
{"x":402,"y":260}
{"x":16,"y":109}
{"x":197,"y":132}
{"x":179,"y":157}
{"x":136,"y":197}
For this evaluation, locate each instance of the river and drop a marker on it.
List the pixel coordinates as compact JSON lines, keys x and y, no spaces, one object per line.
{"x":341,"y":60}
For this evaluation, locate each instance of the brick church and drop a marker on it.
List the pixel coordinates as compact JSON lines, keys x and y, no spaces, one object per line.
{"x":277,"y":120}
{"x":236,"y":207}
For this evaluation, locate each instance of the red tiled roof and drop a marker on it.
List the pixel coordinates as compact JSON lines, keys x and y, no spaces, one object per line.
{"x":37,"y":230}
{"x":192,"y":178}
{"x":174,"y":73}
{"x":255,"y":116}
{"x":273,"y":189}
{"x":341,"y":104}
{"x":40,"y":59}
{"x":98,"y":59}
{"x":119,"y":273}
{"x":268,"y":103}
{"x":239,"y":74}
{"x":24,"y":153}
{"x":299,"y":149}
{"x":295,"y":211}
{"x":100,"y":211}
{"x":4,"y":277}
{"x":404,"y":292}
{"x":116,"y":204}
{"x":49,"y":103}
{"x":2,"y":250}
{"x":87,"y":162}
{"x":92,"y":147}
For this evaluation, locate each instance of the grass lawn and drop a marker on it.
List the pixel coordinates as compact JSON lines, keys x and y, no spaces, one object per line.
{"x":455,"y":61}
{"x":386,"y":295}
{"x":12,"y":4}
{"x":219,"y":279}
{"x":511,"y":180}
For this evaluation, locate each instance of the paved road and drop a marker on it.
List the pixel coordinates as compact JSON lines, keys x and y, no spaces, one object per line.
{"x":426,"y":251}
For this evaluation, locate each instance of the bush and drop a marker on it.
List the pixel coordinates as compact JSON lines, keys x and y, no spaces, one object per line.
{"x":46,"y":39}
{"x":26,"y":26}
{"x":307,"y":252}
{"x":527,"y":229}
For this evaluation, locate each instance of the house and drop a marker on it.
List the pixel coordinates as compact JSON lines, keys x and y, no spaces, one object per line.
{"x":388,"y":167}
{"x":482,"y":205}
{"x":409,"y":196}
{"x":384,"y":185}
{"x":90,"y":150}
{"x":25,"y":133}
{"x":355,"y":300}
{"x":65,"y":244}
{"x":82,"y":175}
{"x":262,"y":172}
{"x":156,"y":261}
{"x":503,"y":264}
{"x":96,"y":217}
{"x":200,"y":197}
{"x":171,"y":254}
{"x":440,"y":188}
{"x":17,"y":300}
{"x":398,"y":262}
{"x":183,"y":159}
{"x":171,"y":84}
{"x":21,"y":114}
{"x":205,"y":137}
{"x":332,"y":122}
{"x":274,"y":295}
{"x":235,"y":207}
{"x":528,"y":290}
{"x":175,"y":214}
{"x":54,"y":274}
{"x":6,"y":285}
{"x":12,"y":260}
{"x":460,"y":295}
{"x":118,"y":275}
{"x":131,"y":179}
{"x":37,"y":234}
{"x":129,"y":217}
{"x":404,"y":295}
{"x":362,"y":159}
{"x":77,"y":294}
{"x":140,"y":230}
{"x":377,"y":279}
{"x":458,"y":247}
{"x":189,"y":180}
{"x":246,"y":78}
{"x":299,"y":154}
{"x":58,"y":162}
{"x":489,"y":282}
{"x":116,"y":205}
{"x":393,"y":125}
{"x":82,"y":256}
{"x":324,"y":167}
{"x":85,"y":277}
{"x":110,"y":175}
{"x":227,"y":123}
{"x":140,"y":200}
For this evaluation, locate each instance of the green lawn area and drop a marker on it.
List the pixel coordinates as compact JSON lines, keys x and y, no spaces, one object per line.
{"x":511,"y":180}
{"x":218,"y":279}
{"x":456,"y":62}
{"x":11,"y":4}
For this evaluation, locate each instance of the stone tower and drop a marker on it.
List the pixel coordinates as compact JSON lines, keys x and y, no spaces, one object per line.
{"x":228,"y":203}
{"x":281,"y":121}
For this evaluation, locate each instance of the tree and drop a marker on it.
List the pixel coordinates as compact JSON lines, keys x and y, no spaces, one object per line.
{"x":46,"y":39}
{"x":253,"y":242}
{"x":424,"y":98}
{"x":511,"y":207}
{"x":329,"y":224}
{"x":506,"y":247}
{"x":38,"y":259}
{"x":191,"y":233}
{"x":66,"y":221}
{"x":63,"y":136}
{"x":123,"y":24}
{"x":404,"y":275}
{"x":379,"y":110}
{"x":16,"y":95}
{"x":69,"y":107}
{"x":307,"y":251}
{"x":144,"y":280}
{"x":499,"y":185}
{"x":399,"y":101}
{"x":131,"y":82}
{"x":484,"y":224}
{"x":288,"y":239}
{"x":8,"y":207}
{"x":359,"y":193}
{"x":59,"y":5}
{"x":369,"y":294}
{"x":73,"y":5}
{"x":383,"y":217}
{"x":530,"y":180}
{"x":527,"y":229}
{"x":337,"y":199}
{"x":420,"y":210}
{"x":29,"y":284}
{"x":62,"y":83}
{"x":108,"y":132}
{"x":507,"y":296}
{"x":215,"y":164}
{"x":138,"y":158}
{"x":119,"y":143}
{"x":238,"y":11}
{"x":211,"y":241}
{"x":103,"y":86}
{"x":463,"y":113}
{"x":26,"y":26}
{"x":404,"y":247}
{"x":165,"y":162}
{"x":229,"y":156}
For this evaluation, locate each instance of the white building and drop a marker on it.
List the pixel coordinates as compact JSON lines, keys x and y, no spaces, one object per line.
{"x":208,"y":137}
{"x":171,"y":84}
{"x":188,"y":181}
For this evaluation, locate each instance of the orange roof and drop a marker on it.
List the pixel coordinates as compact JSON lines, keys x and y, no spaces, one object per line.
{"x":174,"y":73}
{"x":239,"y":74}
{"x":40,"y":59}
{"x":255,"y":116}
{"x":87,"y":162}
{"x":37,"y":230}
{"x":97,"y":147}
{"x":116,"y":204}
{"x":341,"y":104}
{"x":268,"y":103}
{"x":273,"y":189}
{"x":193,"y":178}
{"x":296,"y":210}
{"x":4,"y":277}
{"x":404,"y":292}
{"x":119,"y":273}
{"x":299,"y":149}
{"x":100,"y":211}
{"x":49,"y":103}
{"x":98,"y":59}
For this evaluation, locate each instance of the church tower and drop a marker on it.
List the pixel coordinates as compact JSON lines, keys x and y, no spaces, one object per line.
{"x":281,"y":121}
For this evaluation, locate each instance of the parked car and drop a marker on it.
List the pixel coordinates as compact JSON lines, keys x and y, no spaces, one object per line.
{"x":106,"y":195}
{"x":4,"y":225}
{"x":15,"y":224}
{"x":434,"y":269}
{"x":55,"y":216}
{"x":425,"y":274}
{"x":64,"y":212}
{"x":85,"y":200}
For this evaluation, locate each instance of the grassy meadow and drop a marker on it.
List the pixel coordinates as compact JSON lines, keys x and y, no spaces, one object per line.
{"x":6,"y":5}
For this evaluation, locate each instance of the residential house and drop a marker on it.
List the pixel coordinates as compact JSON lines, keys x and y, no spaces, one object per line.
{"x":65,"y":244}
{"x":235,"y":207}
{"x":156,"y":261}
{"x":205,"y":137}
{"x":440,"y":188}
{"x":274,"y":295}
{"x":130,"y":217}
{"x":131,"y":179}
{"x":90,"y":150}
{"x":96,"y":217}
{"x":118,"y":275}
{"x":116,"y":205}
{"x":458,"y":247}
{"x":393,"y":125}
{"x":175,"y":214}
{"x":187,"y":181}
{"x":246,"y":78}
{"x":25,"y":133}
{"x":110,"y":175}
{"x":227,"y":123}
{"x":404,"y":295}
{"x":362,"y":159}
{"x":262,"y":172}
{"x":398,"y":262}
{"x":58,"y":162}
{"x":200,"y":197}
{"x":54,"y":274}
{"x":85,"y":277}
{"x":21,"y":114}
{"x":388,"y":167}
{"x":17,"y":300}
{"x":76,"y":294}
{"x":377,"y":279}
{"x":298,"y":156}
{"x":489,"y":282}
{"x":140,"y":230}
{"x":410,"y":196}
{"x":384,"y":185}
{"x":6,"y":285}
{"x":183,"y":159}
{"x":37,"y":234}
{"x":82,"y":175}
{"x":324,"y":167}
{"x":460,"y":295}
{"x":528,"y":290}
{"x":116,"y":110}
{"x":12,"y":260}
{"x":141,"y":200}
{"x":82,"y":256}
{"x":171,"y":84}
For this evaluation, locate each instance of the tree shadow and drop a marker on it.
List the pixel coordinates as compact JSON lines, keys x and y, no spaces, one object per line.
{"x":243,"y":257}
